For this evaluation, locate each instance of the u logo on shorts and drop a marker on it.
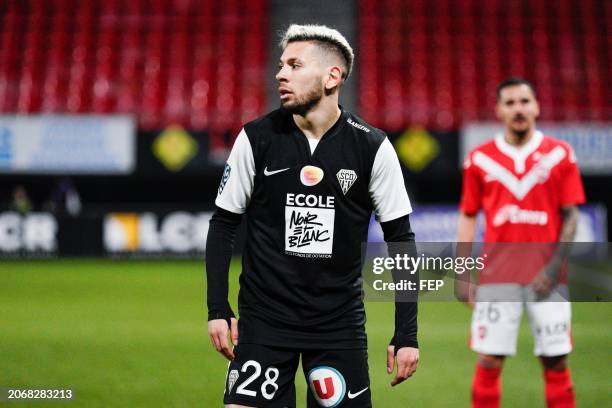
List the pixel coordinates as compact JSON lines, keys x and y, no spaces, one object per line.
{"x":327,"y":385}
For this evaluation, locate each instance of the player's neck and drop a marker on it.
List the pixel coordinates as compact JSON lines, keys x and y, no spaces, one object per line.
{"x":518,"y":139}
{"x":318,"y":120}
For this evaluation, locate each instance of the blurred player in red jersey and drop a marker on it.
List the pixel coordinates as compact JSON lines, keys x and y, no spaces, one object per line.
{"x":528,"y":186}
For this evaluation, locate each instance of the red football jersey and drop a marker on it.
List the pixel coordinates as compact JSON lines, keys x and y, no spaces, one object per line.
{"x":521,"y":190}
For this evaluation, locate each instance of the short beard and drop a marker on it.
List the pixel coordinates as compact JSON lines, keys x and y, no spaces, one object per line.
{"x":304,"y":104}
{"x":521,"y":134}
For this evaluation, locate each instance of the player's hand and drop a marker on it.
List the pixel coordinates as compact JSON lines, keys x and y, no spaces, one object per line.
{"x":465,"y":292}
{"x":218,"y":331}
{"x":407,"y":361}
{"x":542,"y":284}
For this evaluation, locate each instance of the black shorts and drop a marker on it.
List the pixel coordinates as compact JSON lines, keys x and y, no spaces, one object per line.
{"x":264,"y":376}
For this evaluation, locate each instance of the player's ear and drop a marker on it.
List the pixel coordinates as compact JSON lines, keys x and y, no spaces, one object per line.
{"x":334,"y":77}
{"x":537,"y":108}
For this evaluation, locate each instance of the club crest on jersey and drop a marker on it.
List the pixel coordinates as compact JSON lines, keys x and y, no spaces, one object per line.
{"x":226,"y":175}
{"x":231,"y":380}
{"x":327,"y":386}
{"x":346,"y":178}
{"x":311,"y":175}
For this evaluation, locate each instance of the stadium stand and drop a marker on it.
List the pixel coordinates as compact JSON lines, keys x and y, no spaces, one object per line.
{"x":202,"y":63}
{"x":196,"y":63}
{"x":434,"y":63}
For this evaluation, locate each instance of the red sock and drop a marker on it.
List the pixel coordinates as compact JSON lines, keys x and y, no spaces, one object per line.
{"x":559,"y":389}
{"x":486,"y":388}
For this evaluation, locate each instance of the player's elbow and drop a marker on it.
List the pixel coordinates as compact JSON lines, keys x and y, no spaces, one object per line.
{"x":570,"y":212}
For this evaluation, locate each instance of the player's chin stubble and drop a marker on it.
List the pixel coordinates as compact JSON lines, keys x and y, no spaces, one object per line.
{"x":305,"y":103}
{"x":522,"y":131}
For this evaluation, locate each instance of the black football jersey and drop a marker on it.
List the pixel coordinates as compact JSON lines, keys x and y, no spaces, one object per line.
{"x":308,"y":205}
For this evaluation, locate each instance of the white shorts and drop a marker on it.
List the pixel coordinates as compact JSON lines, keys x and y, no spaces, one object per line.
{"x":495,"y":324}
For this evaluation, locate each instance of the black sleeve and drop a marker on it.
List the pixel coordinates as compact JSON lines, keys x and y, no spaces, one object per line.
{"x":400,"y":240}
{"x":219,"y":247}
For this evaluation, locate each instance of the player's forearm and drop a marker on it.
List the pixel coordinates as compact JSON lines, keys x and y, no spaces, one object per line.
{"x":570,"y":222}
{"x":570,"y":216}
{"x":406,"y":325}
{"x":406,"y":303}
{"x":466,"y":233}
{"x":219,"y":248}
{"x":400,"y":240}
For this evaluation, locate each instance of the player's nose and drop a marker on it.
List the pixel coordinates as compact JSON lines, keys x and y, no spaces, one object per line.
{"x":518,"y":110}
{"x":281,"y":75}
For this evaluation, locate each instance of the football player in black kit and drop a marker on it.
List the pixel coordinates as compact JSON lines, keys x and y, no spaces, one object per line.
{"x":308,"y":177}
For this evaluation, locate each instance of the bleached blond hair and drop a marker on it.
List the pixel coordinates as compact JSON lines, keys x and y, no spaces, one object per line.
{"x":331,"y":40}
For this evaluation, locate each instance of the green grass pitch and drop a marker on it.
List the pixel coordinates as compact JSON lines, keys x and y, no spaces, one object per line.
{"x":133,"y":334}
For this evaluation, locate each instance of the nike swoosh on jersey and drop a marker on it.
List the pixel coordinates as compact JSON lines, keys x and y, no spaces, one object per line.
{"x":269,"y":173}
{"x":355,"y":395}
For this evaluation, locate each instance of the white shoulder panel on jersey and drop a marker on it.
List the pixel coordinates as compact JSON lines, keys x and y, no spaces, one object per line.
{"x":237,"y":180}
{"x":387,"y":188}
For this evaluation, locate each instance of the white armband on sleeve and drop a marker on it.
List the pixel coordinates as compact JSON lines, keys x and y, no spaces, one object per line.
{"x":237,"y":181}
{"x":387,"y":188}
